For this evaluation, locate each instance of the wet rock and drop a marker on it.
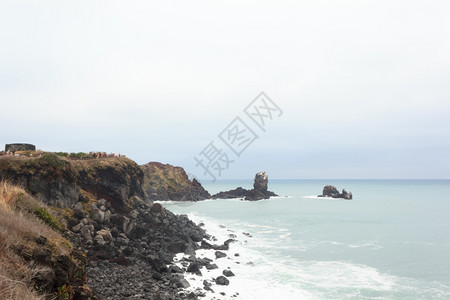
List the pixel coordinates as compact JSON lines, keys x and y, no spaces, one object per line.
{"x":227,"y":273}
{"x":220,"y":254}
{"x":194,"y":267}
{"x":211,"y":266}
{"x":183,"y":283}
{"x":222,"y":280}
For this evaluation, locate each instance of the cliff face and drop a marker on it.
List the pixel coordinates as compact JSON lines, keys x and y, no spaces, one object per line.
{"x":114,"y":179}
{"x":60,"y":182}
{"x":166,"y":182}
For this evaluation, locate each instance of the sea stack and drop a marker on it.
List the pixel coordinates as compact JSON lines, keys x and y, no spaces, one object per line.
{"x":259,"y":190}
{"x":332,"y":192}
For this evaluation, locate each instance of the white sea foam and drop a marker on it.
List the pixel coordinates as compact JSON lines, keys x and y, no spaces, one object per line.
{"x":307,"y":249}
{"x":370,"y":244}
{"x":312,"y":197}
{"x":259,"y":276}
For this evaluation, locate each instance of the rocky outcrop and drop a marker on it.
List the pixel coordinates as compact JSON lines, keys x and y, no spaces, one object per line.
{"x":258,"y":192}
{"x":332,"y":192}
{"x":166,"y":182}
{"x":60,"y":182}
{"x":236,"y":193}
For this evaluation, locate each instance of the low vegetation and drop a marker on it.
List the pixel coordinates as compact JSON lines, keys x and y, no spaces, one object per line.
{"x":23,"y":230}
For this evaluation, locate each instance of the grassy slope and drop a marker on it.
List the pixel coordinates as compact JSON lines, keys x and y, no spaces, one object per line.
{"x":21,"y":228}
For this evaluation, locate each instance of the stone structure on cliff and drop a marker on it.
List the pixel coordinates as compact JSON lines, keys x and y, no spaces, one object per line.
{"x":19,"y":147}
{"x":258,"y":192}
{"x":332,"y":192}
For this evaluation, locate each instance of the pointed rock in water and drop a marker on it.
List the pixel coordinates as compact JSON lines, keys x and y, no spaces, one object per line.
{"x":261,"y":181}
{"x":259,"y":190}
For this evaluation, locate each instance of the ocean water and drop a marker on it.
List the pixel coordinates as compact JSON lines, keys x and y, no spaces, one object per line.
{"x":391,"y":242}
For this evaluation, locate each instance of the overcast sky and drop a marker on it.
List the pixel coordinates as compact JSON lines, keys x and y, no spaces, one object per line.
{"x":364,"y":86}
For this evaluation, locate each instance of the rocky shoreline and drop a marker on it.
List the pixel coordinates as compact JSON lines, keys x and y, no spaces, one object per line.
{"x":135,"y":248}
{"x":143,"y":272}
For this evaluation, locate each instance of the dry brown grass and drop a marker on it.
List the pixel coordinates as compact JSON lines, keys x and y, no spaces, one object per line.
{"x":16,"y":290}
{"x":9,"y":194}
{"x":20,"y":228}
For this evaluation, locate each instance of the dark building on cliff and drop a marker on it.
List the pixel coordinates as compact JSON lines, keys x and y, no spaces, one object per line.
{"x":19,"y":147}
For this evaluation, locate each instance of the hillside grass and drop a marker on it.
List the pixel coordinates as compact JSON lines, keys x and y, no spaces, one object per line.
{"x":20,"y":227}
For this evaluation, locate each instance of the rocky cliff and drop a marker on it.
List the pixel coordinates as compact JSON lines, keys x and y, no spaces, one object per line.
{"x":166,"y":182}
{"x":64,"y":182}
{"x":106,"y":215}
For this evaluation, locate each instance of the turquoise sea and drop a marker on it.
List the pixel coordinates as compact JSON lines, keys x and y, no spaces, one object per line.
{"x":392,"y":241}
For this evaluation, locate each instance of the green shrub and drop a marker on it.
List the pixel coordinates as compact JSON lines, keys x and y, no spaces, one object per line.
{"x":65,"y":292}
{"x":43,"y":214}
{"x":78,"y":155}
{"x":52,"y":160}
{"x":62,"y":154}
